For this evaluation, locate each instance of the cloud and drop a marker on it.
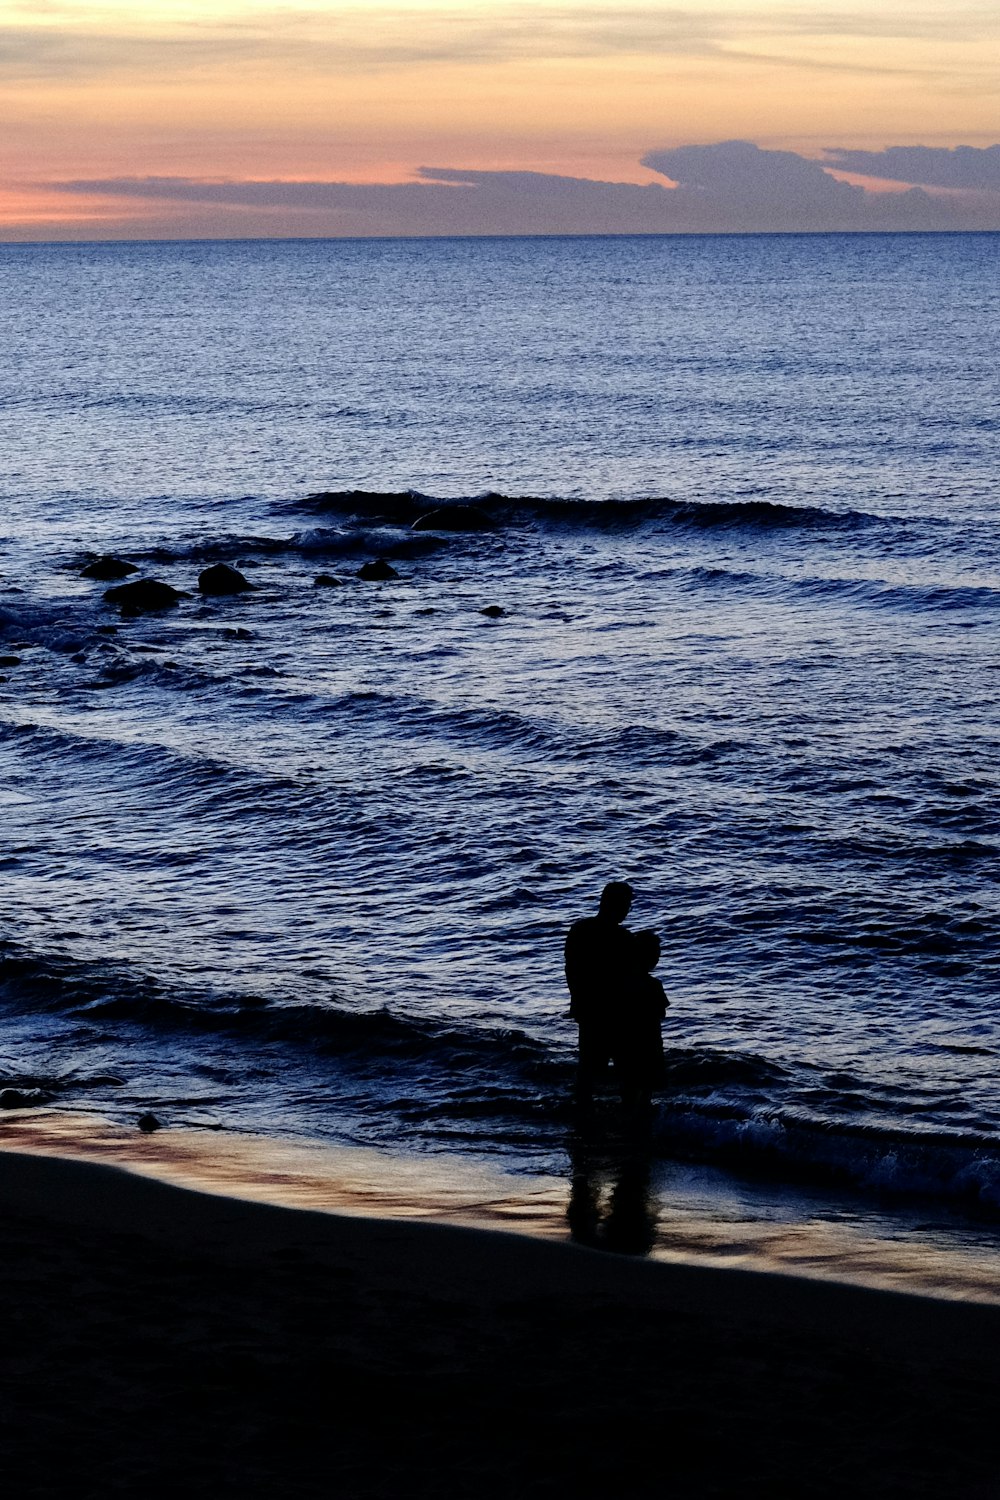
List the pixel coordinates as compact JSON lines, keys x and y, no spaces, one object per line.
{"x":730,"y":186}
{"x":443,"y":201}
{"x":969,"y":167}
{"x":372,"y":40}
{"x":32,"y":55}
{"x":740,"y":172}
{"x":73,"y":43}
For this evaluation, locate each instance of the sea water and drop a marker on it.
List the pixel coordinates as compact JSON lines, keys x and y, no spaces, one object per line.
{"x":301,"y":862}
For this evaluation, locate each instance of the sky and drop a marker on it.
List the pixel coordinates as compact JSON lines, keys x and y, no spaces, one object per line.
{"x":240,"y":118}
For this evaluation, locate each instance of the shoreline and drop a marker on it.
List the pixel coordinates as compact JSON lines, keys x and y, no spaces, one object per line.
{"x":161,"y":1340}
{"x":675,"y":1215}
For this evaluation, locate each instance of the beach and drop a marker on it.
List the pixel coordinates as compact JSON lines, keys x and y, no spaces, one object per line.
{"x":158,"y":1340}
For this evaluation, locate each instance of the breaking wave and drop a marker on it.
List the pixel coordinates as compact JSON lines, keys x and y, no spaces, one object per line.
{"x":407,"y":507}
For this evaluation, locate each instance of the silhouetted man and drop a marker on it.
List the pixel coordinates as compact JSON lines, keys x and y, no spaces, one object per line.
{"x":597,"y":964}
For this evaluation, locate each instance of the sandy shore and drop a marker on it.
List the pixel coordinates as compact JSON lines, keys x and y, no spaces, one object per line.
{"x":157,"y":1340}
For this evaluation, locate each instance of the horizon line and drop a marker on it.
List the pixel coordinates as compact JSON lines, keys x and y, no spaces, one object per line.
{"x":631,"y":234}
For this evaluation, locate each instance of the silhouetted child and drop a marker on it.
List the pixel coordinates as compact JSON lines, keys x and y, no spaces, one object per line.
{"x":638,"y":1043}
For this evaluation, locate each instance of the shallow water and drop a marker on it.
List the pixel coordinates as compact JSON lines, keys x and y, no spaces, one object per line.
{"x":301,"y":862}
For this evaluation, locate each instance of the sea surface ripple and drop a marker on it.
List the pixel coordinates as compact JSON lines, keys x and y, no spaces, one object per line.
{"x":303,"y":860}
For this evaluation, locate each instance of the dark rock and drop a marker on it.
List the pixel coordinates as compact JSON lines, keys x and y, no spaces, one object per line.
{"x":238,"y":634}
{"x":454,"y":518}
{"x":107,"y":569}
{"x":148,"y":1123}
{"x":10,"y":661}
{"x":108,"y":629}
{"x":222,"y":579}
{"x":326,"y":581}
{"x":494,"y":611}
{"x":377,"y":572}
{"x":145,"y":594}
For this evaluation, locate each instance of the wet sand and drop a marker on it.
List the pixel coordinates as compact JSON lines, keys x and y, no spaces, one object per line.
{"x":157,"y":1340}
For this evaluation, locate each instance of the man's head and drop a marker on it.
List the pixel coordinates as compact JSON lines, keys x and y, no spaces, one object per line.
{"x":616,"y":900}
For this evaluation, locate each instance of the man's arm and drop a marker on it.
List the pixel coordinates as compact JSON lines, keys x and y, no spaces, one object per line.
{"x":578,"y":965}
{"x":573,"y":956}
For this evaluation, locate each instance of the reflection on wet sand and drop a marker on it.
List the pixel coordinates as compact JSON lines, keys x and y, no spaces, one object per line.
{"x":611,"y":1206}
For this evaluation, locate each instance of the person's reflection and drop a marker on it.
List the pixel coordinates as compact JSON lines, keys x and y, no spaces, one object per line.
{"x":610,"y":1204}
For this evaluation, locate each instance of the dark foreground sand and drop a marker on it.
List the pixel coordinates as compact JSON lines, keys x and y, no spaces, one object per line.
{"x":156,"y":1341}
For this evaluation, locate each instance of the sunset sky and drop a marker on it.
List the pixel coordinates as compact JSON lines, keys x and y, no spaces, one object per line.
{"x":244,"y":117}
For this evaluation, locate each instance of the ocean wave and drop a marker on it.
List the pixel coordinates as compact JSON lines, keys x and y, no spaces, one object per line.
{"x":186,"y":777}
{"x":406,"y":507}
{"x":438,"y":739}
{"x":185,"y":405}
{"x":485,"y":728}
{"x":909,"y":596}
{"x":962,"y":1169}
{"x":871,"y":592}
{"x":107,"y":991}
{"x":325,"y":541}
{"x":20,"y":1090}
{"x":25,"y":621}
{"x":636,"y":745}
{"x":404,"y":717}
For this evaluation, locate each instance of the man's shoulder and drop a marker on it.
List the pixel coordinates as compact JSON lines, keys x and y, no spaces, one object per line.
{"x":595,"y":930}
{"x":584,"y":925}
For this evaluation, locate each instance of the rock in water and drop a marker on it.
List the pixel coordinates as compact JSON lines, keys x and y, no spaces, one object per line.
{"x":106,"y":569}
{"x":326,"y":581}
{"x":148,"y":1123}
{"x":377,"y":572}
{"x":222,"y":579}
{"x":453,"y":518}
{"x":144,"y":595}
{"x":494,"y":611}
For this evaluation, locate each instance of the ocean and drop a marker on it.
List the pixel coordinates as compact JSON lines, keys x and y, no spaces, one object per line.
{"x":299,"y":863}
